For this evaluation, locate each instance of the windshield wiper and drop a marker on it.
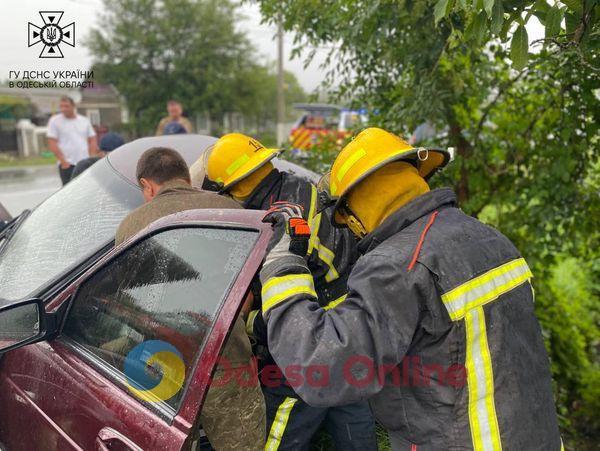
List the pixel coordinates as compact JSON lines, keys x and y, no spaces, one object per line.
{"x":9,"y":231}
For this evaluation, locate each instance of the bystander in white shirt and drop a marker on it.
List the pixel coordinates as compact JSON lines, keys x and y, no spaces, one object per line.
{"x":72,"y":135}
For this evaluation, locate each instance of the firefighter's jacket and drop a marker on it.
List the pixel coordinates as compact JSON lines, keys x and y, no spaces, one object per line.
{"x":439,"y":304}
{"x":331,"y":251}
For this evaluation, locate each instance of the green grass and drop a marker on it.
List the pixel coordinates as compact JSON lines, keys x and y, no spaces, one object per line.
{"x":322,"y":441}
{"x":10,"y":161}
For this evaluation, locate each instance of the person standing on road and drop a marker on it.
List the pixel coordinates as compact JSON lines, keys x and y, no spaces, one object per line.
{"x":241,"y":166}
{"x":71,"y":138}
{"x":438,"y":329}
{"x":233,"y":414}
{"x":108,"y":143}
{"x":175,"y":114}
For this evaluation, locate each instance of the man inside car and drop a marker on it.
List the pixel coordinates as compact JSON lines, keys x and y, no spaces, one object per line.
{"x":233,"y":416}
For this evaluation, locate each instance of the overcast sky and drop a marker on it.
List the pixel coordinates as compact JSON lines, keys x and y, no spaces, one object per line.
{"x":15,"y":55}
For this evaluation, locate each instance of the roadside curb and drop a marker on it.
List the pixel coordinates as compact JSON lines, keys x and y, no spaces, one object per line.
{"x":15,"y":173}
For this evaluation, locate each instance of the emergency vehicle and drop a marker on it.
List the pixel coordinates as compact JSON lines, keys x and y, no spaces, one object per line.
{"x":320,"y":121}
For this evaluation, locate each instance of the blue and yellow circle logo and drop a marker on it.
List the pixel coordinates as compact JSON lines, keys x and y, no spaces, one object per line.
{"x":155,"y":371}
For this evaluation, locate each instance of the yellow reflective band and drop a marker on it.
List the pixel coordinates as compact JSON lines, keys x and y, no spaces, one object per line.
{"x":284,"y":295}
{"x":332,"y":187}
{"x":276,"y":281}
{"x":237,"y":164}
{"x":250,"y":322}
{"x":486,"y":288}
{"x":279,"y":424}
{"x":314,"y":233}
{"x":325,"y":255}
{"x":313,"y":202}
{"x":335,"y":303}
{"x":278,"y":289}
{"x":485,"y":433}
{"x":314,"y":220}
{"x":350,"y":162}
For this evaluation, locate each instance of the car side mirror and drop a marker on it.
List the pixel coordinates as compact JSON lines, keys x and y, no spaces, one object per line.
{"x":22,"y":323}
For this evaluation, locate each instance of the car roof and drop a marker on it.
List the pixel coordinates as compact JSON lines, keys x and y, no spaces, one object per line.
{"x":190,"y":146}
{"x":314,"y":107}
{"x":124,"y":159}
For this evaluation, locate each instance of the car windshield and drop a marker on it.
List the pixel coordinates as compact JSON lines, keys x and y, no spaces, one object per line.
{"x":69,"y":226}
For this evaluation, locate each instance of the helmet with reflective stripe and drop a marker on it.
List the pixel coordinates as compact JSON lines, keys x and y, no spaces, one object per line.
{"x":234,"y":157}
{"x":372,"y":149}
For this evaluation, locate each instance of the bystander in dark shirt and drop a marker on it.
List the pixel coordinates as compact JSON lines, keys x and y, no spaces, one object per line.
{"x":108,"y":143}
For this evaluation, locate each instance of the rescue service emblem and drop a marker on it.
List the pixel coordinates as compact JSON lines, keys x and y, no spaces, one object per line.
{"x":51,"y":34}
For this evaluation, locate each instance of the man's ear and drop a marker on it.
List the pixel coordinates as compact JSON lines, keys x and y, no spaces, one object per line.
{"x":149,"y":189}
{"x":145,"y":184}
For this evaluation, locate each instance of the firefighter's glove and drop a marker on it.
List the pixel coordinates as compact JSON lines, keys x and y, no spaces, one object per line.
{"x":289,"y":243}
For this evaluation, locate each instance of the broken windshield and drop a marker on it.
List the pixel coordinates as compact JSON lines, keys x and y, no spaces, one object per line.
{"x":68,"y":227}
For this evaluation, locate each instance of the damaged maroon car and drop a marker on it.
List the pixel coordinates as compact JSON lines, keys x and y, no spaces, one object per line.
{"x":85,"y":327}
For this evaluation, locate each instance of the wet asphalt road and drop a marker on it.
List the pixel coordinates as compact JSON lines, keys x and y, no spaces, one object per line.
{"x":20,"y":192}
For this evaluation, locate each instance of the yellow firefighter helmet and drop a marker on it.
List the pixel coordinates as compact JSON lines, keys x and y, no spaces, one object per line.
{"x":234,"y":157}
{"x":372,"y":149}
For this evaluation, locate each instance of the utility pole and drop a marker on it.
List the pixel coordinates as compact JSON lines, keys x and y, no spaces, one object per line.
{"x":280,"y":98}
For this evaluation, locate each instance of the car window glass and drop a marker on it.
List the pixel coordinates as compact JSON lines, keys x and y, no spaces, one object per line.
{"x":148,"y":312}
{"x":73,"y":223}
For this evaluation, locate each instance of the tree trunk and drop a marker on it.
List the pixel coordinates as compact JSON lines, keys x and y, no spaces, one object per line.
{"x":463,"y":150}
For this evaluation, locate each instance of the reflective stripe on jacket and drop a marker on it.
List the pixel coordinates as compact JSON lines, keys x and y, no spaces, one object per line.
{"x":438,"y":331}
{"x":331,"y":251}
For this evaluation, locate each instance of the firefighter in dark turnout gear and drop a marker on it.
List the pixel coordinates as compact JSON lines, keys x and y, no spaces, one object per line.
{"x":438,"y":329}
{"x":240,"y":166}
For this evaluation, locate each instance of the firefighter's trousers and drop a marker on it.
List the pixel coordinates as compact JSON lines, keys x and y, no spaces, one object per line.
{"x":291,"y":423}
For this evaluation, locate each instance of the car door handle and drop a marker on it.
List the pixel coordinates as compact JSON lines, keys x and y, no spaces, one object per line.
{"x":108,"y":439}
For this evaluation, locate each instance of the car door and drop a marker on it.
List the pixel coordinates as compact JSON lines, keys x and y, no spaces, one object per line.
{"x":138,"y":344}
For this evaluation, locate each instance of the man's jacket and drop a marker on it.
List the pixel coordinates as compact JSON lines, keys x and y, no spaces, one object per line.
{"x":232,"y":416}
{"x":441,"y":307}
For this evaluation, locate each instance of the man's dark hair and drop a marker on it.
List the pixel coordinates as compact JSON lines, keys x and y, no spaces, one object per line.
{"x":161,"y":165}
{"x":67,"y":99}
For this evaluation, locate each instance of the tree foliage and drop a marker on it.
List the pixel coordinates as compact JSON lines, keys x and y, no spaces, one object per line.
{"x":524,"y":126}
{"x":259,"y":99}
{"x":155,"y":50}
{"x":494,"y":19}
